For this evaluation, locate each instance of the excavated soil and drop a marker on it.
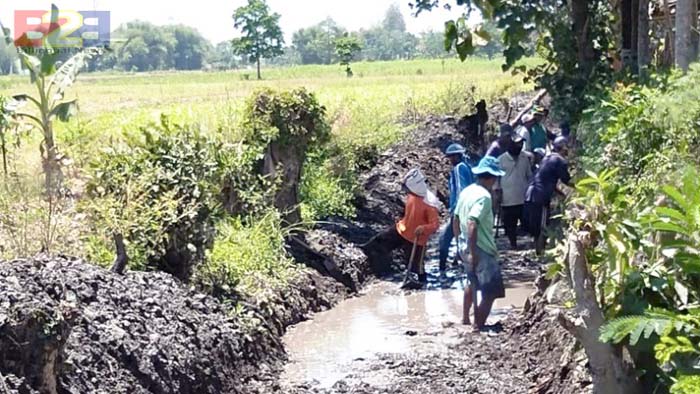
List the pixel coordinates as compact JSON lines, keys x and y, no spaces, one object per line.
{"x":67,"y":326}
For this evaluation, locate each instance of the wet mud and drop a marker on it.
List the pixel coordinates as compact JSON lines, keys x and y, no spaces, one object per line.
{"x":383,"y":318}
{"x":396,"y":341}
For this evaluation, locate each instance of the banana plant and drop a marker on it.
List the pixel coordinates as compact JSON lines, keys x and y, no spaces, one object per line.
{"x":51,"y":80}
{"x":7,"y":123}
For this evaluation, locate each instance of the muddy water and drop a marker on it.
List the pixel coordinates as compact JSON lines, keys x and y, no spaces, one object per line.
{"x":382,"y":320}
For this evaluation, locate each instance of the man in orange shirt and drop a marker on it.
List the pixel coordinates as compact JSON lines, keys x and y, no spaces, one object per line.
{"x":421,"y":219}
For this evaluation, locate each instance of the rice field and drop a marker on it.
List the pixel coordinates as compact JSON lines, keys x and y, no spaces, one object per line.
{"x":366,"y":107}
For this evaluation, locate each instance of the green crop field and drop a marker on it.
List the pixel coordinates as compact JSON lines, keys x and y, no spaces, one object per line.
{"x":366,"y":107}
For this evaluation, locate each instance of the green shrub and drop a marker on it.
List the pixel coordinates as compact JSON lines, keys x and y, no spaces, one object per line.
{"x":646,"y":132}
{"x":247,"y":254}
{"x":287,"y":125}
{"x":292,"y":118}
{"x":643,"y":213}
{"x":324,"y":192}
{"x":161,"y":192}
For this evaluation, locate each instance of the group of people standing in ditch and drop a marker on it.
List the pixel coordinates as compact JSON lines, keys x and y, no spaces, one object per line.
{"x":514,"y":181}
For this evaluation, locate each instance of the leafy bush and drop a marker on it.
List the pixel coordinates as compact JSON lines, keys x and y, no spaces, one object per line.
{"x":646,"y":266}
{"x":286,"y":117}
{"x":161,"y":192}
{"x":287,"y":124}
{"x":324,"y":192}
{"x":247,"y":254}
{"x":643,"y":210}
{"x":647,"y":132}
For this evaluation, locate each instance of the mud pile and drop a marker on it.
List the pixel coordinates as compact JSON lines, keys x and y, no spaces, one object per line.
{"x":70,"y":327}
{"x":379,"y":200}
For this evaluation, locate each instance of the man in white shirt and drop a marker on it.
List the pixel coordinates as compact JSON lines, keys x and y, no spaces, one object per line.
{"x":512,"y":187}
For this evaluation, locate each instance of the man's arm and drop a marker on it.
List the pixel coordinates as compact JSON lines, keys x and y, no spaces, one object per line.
{"x":456,"y":230}
{"x":433,"y":219}
{"x":471,"y":243}
{"x":564,"y":174}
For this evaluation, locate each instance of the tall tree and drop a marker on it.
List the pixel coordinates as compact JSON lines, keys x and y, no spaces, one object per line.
{"x":393,"y":19}
{"x":347,"y":48}
{"x":145,"y":47}
{"x":580,"y":16}
{"x":389,"y":40}
{"x":223,"y":57}
{"x":191,"y":48}
{"x":686,"y":11}
{"x":316,"y":44}
{"x":643,"y":37}
{"x":431,"y":45}
{"x":262,"y":36}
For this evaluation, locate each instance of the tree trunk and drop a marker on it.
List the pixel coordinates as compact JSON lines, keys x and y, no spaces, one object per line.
{"x":610,"y":373}
{"x":643,"y":39}
{"x":668,"y":55}
{"x":694,"y":37}
{"x":259,"y":75}
{"x":51,"y":165}
{"x":285,"y":163}
{"x":581,"y":20}
{"x":122,"y":259}
{"x":686,"y":11}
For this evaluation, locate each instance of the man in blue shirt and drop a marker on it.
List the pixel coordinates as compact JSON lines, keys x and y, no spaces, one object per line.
{"x":554,"y":168}
{"x":460,"y":177}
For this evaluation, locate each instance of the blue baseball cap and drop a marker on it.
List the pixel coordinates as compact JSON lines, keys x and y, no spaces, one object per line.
{"x":455,"y":149}
{"x":488,"y":165}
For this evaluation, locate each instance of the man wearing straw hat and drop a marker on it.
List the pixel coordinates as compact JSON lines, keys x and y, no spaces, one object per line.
{"x":421,"y":219}
{"x":473,"y":225}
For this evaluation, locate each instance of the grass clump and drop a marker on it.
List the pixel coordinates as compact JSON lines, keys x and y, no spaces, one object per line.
{"x":248,"y":254}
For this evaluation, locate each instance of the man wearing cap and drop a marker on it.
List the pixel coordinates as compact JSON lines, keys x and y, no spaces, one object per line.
{"x":473,"y":225}
{"x":460,"y":177}
{"x":538,"y":155}
{"x":512,"y":186}
{"x":540,"y":135}
{"x":554,"y":168}
{"x":421,"y":219}
{"x":525,"y":130}
{"x":500,"y":146}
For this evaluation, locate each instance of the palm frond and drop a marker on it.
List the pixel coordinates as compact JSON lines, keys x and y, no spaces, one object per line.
{"x":658,"y":321}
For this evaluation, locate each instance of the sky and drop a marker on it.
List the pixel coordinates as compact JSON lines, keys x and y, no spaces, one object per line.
{"x":213,"y":17}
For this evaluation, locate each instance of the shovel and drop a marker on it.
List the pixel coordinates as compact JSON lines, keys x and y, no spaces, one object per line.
{"x":407,"y":278}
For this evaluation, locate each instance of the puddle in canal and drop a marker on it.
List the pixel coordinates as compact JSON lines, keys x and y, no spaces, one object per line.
{"x":377,"y":322}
